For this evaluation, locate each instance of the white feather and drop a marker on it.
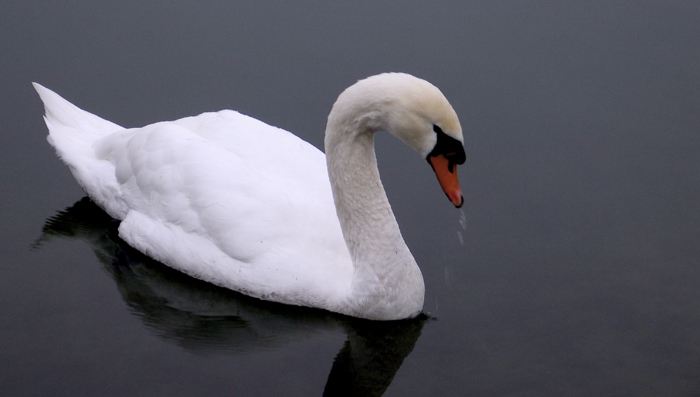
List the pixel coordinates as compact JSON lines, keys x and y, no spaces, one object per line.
{"x":233,"y":201}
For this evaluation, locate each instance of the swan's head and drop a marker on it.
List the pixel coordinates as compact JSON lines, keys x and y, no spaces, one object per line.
{"x":414,"y":111}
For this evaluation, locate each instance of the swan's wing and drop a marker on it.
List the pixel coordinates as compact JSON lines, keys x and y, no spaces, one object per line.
{"x":231,"y":200}
{"x":220,"y":196}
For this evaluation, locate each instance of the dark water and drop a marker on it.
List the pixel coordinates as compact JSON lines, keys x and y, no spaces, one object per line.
{"x":577,"y":271}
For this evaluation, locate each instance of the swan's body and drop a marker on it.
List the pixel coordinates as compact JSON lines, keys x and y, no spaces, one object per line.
{"x":233,"y":201}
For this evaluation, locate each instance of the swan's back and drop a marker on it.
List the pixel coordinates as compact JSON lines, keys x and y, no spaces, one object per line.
{"x":221,"y":196}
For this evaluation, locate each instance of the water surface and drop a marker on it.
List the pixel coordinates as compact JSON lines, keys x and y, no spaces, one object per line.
{"x":576,"y":271}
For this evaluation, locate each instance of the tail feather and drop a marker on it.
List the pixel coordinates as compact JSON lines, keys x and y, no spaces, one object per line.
{"x":60,"y":112}
{"x":73,"y":133}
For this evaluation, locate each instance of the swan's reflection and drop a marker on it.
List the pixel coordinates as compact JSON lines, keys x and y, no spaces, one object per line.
{"x":199,"y":316}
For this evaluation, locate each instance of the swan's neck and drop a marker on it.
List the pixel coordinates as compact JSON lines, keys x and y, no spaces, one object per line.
{"x":387,"y":282}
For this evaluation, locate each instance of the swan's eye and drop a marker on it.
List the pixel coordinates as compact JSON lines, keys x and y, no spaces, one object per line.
{"x":449,"y":147}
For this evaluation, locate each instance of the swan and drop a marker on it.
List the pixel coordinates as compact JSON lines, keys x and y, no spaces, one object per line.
{"x":238,"y":203}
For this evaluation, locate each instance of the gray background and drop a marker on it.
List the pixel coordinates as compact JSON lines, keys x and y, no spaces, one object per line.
{"x":579,"y":270}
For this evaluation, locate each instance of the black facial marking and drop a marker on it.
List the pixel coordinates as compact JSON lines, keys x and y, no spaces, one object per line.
{"x":449,"y":147}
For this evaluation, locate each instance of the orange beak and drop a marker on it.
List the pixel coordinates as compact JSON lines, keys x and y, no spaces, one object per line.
{"x":446,"y":173}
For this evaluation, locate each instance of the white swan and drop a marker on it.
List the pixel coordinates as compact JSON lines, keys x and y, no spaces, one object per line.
{"x":233,"y":201}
